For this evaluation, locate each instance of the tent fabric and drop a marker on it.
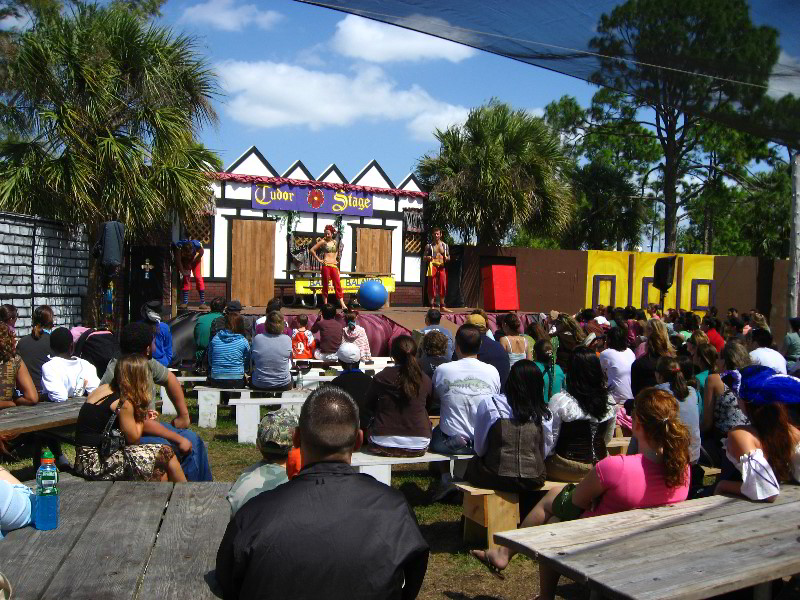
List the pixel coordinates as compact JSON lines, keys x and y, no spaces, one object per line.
{"x":568,"y":36}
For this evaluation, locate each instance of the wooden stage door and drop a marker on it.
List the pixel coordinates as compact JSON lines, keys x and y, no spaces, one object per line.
{"x":252,"y":261}
{"x":373,"y":250}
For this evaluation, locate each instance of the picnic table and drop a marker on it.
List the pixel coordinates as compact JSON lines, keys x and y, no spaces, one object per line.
{"x":693,"y":549}
{"x":41,"y":416}
{"x":122,"y":540}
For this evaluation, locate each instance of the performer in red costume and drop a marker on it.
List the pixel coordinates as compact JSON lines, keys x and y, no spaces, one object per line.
{"x":330,"y":264}
{"x":437,"y":255}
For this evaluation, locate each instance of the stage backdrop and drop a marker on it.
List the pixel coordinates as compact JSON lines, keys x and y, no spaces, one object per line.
{"x":569,"y":280}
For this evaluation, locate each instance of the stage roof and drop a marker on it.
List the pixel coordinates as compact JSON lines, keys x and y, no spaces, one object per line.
{"x":714,"y":58}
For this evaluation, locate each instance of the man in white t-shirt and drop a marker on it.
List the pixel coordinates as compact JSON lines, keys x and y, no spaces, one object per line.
{"x":65,"y":375}
{"x":461,"y":386}
{"x":761,"y":352}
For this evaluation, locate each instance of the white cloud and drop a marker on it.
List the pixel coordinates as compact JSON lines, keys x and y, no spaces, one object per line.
{"x":268,"y":94}
{"x":785,"y":77}
{"x":372,"y":41}
{"x":12,"y":22}
{"x":228,"y":16}
{"x":424,"y":124}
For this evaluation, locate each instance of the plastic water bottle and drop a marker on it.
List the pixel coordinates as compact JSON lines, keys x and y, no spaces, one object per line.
{"x":47,"y":501}
{"x":299,"y":384}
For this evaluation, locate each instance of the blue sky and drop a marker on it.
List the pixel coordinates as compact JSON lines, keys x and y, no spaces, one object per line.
{"x":308,"y":83}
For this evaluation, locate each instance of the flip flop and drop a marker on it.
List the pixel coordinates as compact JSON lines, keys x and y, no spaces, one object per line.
{"x":496,"y":571}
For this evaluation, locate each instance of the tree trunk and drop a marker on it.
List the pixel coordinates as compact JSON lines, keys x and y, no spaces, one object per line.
{"x":794,"y":252}
{"x":670,"y":204}
{"x":708,"y":224}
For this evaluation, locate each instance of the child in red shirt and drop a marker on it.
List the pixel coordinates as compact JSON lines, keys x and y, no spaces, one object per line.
{"x":303,"y":342}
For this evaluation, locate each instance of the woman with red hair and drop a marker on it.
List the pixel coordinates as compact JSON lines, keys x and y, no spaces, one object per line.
{"x":330,"y":264}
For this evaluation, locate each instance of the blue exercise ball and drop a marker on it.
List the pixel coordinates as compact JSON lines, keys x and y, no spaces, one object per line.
{"x":372,"y":295}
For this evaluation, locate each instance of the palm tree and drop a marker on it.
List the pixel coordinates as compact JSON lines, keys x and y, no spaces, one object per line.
{"x":502,"y":169}
{"x":107,"y":109}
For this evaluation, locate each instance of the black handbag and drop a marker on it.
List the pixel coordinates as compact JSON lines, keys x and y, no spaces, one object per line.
{"x":112,"y":439}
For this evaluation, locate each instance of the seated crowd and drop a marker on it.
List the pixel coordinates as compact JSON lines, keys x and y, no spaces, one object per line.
{"x":532,"y":401}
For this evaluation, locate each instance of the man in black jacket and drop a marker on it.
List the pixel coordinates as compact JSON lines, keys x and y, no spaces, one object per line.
{"x":329,"y":532}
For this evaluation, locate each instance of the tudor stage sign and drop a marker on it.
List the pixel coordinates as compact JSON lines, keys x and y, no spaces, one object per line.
{"x":302,"y":198}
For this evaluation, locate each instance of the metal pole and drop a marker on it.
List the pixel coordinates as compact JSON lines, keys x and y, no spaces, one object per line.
{"x":794,"y":249}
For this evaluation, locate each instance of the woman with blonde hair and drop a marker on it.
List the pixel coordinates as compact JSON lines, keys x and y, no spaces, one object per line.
{"x":643,"y":369}
{"x":124,"y":405}
{"x":658,"y":475}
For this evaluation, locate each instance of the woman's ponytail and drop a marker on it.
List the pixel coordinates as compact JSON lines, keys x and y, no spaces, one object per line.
{"x":404,"y":353}
{"x":670,"y":371}
{"x":657,"y":413}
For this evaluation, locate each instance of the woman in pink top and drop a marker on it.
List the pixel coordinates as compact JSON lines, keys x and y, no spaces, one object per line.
{"x":658,"y":475}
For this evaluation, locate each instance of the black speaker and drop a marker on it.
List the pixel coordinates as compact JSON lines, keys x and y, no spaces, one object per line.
{"x":146,"y":276}
{"x":454,"y":298}
{"x":664,"y":273}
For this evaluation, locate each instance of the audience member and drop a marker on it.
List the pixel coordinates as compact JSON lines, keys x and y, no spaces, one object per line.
{"x":354,"y":381}
{"x":707,"y":378}
{"x":8,"y":315}
{"x":137,"y":338}
{"x":162,"y":348}
{"x":202,"y":327}
{"x":460,"y":387}
{"x":509,"y":441}
{"x":433,"y":319}
{"x":710,"y":326}
{"x":259,"y":326}
{"x":356,"y":334}
{"x":658,"y":475}
{"x":514,"y":342}
{"x":272,"y":356}
{"x":65,"y":375}
{"x":643,"y":369}
{"x":126,"y":400}
{"x":482,"y":313}
{"x":229,"y":354}
{"x":16,"y":385}
{"x":570,"y":336}
{"x":553,"y":376}
{"x":491,"y":352}
{"x":274,"y":440}
{"x":34,"y":348}
{"x":398,"y":400}
{"x":762,"y":353}
{"x":616,"y":361}
{"x":766,"y":452}
{"x":584,"y":417}
{"x":791,"y":343}
{"x":303,"y":342}
{"x":671,"y":379}
{"x":15,"y":500}
{"x":220,"y":323}
{"x":721,"y":411}
{"x":758,"y":321}
{"x":330,"y":333}
{"x":435,"y":346}
{"x":347,"y":518}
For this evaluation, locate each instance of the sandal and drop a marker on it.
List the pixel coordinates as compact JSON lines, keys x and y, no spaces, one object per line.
{"x":494,"y":570}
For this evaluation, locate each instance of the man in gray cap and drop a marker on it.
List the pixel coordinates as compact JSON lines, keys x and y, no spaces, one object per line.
{"x":353,"y":380}
{"x":220,"y":323}
{"x":274,"y":439}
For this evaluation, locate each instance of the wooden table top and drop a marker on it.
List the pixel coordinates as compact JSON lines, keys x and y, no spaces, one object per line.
{"x":110,"y":532}
{"x":694,"y":549}
{"x":44,"y":415}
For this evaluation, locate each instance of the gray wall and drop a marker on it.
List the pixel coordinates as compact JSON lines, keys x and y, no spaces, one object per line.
{"x":42,"y":262}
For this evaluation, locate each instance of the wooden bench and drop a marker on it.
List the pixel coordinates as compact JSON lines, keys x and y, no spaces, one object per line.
{"x":618,"y":445}
{"x":487,"y":512}
{"x":380,"y":467}
{"x":689,"y":550}
{"x":40,"y":417}
{"x":167,"y":407}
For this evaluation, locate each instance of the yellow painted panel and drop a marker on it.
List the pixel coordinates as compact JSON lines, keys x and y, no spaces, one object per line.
{"x":696,"y":266}
{"x":607,"y":263}
{"x":645,"y":263}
